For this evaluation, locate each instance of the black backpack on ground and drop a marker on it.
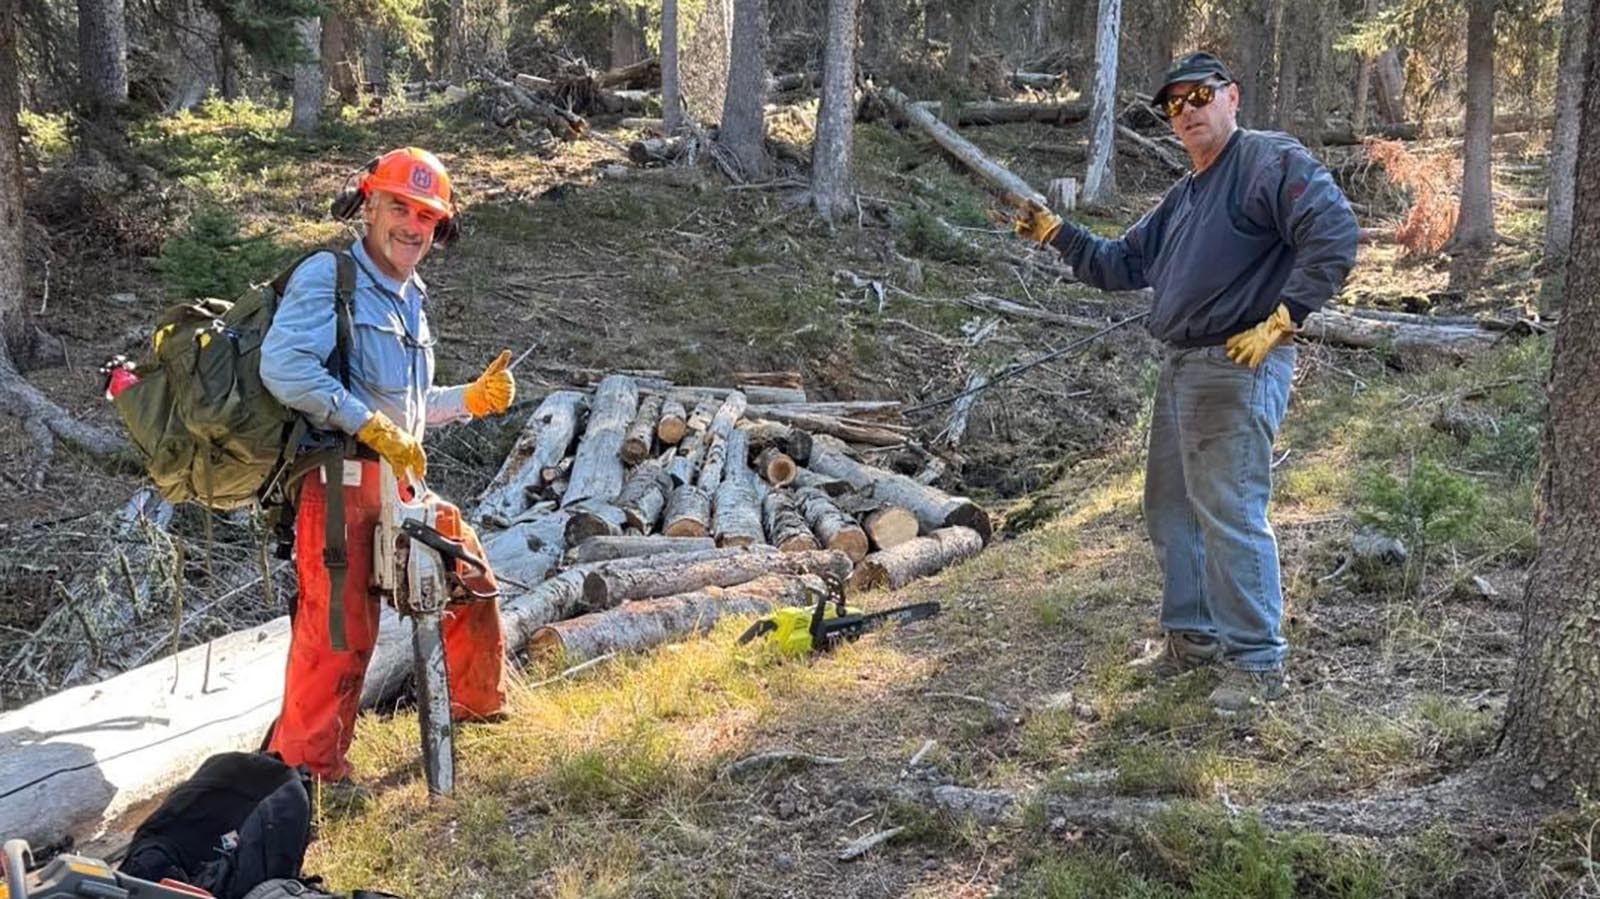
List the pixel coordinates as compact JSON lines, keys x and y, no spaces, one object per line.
{"x":242,"y":819}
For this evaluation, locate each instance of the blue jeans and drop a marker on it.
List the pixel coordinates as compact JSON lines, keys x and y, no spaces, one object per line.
{"x":1207,"y":481}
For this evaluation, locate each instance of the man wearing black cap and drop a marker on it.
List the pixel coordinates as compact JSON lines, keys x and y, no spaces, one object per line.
{"x":1237,"y":253}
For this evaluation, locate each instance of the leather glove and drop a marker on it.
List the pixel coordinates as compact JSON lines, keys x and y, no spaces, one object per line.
{"x":1251,"y":346}
{"x":1035,"y":223}
{"x":402,"y":451}
{"x":492,"y":393}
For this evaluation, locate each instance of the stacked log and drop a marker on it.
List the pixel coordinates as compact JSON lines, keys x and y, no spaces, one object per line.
{"x":894,"y":568}
{"x":934,"y":508}
{"x":597,"y":469}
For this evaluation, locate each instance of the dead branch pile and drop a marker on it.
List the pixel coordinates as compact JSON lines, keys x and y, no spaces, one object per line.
{"x":688,"y":496}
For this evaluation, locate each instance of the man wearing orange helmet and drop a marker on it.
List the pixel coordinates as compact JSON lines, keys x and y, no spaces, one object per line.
{"x":382,"y":393}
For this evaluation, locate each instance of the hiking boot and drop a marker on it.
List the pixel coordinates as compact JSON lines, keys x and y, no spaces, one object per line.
{"x":1243,"y":691}
{"x":1179,"y":653}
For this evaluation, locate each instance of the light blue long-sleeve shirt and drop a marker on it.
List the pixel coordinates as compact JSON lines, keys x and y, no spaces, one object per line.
{"x":391,"y":351}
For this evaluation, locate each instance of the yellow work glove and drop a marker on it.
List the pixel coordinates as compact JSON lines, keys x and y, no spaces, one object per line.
{"x":1251,"y":346}
{"x":1034,"y":222}
{"x":492,"y":393}
{"x":402,"y":451}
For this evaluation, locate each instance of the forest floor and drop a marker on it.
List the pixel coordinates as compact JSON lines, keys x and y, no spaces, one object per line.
{"x":612,"y":784}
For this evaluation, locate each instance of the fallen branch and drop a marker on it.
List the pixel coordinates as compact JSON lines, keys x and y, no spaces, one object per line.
{"x":776,"y":758}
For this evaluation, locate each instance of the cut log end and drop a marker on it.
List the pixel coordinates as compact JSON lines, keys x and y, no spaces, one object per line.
{"x":890,"y":526}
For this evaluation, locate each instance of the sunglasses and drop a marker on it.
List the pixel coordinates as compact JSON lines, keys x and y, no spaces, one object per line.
{"x":1198,"y":96}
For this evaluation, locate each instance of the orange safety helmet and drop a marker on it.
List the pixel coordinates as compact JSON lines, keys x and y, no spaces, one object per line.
{"x":414,"y":174}
{"x":409,"y":172}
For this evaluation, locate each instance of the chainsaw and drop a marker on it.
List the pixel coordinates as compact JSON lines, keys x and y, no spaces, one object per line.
{"x":797,"y":630}
{"x":418,"y":562}
{"x":73,"y":876}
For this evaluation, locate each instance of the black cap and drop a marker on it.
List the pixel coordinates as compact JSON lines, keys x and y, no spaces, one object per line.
{"x":1190,"y":67}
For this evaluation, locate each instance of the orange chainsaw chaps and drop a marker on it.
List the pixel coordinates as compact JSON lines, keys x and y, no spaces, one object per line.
{"x":322,"y":687}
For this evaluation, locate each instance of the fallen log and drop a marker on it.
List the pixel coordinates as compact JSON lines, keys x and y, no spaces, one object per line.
{"x":1156,"y":150}
{"x":604,"y":549}
{"x":597,"y":469}
{"x":686,"y":461}
{"x":1410,"y":131}
{"x":834,"y":528}
{"x":876,"y":410}
{"x":1039,"y":81}
{"x":890,"y":526}
{"x":833,"y":487}
{"x":671,"y":428}
{"x":651,"y":622}
{"x":894,"y":568}
{"x":544,"y":441}
{"x":792,"y":81}
{"x":562,"y":122}
{"x":722,"y":426}
{"x":705,"y":409}
{"x":869,"y":433}
{"x":736,"y":516}
{"x":785,"y":526}
{"x":658,"y":150}
{"x":606,"y":588}
{"x":1001,"y":112}
{"x":961,"y":410}
{"x":934,"y":508}
{"x":775,"y":467}
{"x":791,"y":379}
{"x":636,"y":443}
{"x":962,"y":149}
{"x":1419,"y":338}
{"x":528,"y":550}
{"x":688,"y":512}
{"x":644,"y":496}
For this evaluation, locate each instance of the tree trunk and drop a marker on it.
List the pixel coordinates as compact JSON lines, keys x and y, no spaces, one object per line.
{"x":835,"y":529}
{"x":194,"y":48}
{"x":652,"y":622}
{"x":832,"y":178}
{"x":744,"y":130}
{"x":894,"y":568}
{"x":340,"y":64}
{"x":102,"y":55}
{"x":703,"y":61}
{"x":1391,"y":86}
{"x":1564,"y":153}
{"x":1100,"y":183}
{"x":1552,"y":723}
{"x":1474,"y":235}
{"x":934,"y":508}
{"x":627,"y":43}
{"x":375,"y":58}
{"x":604,"y":589}
{"x":1007,"y":112}
{"x":962,"y":18}
{"x":786,"y":528}
{"x":308,"y":87}
{"x":539,"y":449}
{"x":671,"y":99}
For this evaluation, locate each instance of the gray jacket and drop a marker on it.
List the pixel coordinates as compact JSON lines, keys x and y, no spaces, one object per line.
{"x":1263,"y":224}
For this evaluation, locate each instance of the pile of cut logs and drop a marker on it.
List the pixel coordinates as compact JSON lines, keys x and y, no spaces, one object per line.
{"x":671,"y":505}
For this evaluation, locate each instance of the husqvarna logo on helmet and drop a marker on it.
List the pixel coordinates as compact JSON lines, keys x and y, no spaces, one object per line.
{"x":421,"y":178}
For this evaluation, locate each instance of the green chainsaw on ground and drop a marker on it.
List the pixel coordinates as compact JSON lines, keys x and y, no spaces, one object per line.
{"x":797,"y":630}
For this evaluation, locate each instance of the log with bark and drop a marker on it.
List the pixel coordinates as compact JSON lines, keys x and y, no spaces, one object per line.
{"x":894,"y":568}
{"x":835,"y":529}
{"x":605,"y":549}
{"x":736,"y":515}
{"x":1418,"y":337}
{"x":603,"y":589}
{"x":1409,"y":131}
{"x":543,"y":443}
{"x":1001,"y":112}
{"x":791,"y":379}
{"x":1039,"y":81}
{"x":775,"y":467}
{"x":636,"y":443}
{"x":792,"y":442}
{"x":1154,"y":149}
{"x":597,"y":468}
{"x":882,"y":411}
{"x":933,"y":507}
{"x":658,"y":150}
{"x":688,"y":512}
{"x":864,"y":432}
{"x":785,"y":526}
{"x":651,"y":622}
{"x":686,"y":461}
{"x":722,"y":425}
{"x":525,"y":552}
{"x":705,"y":409}
{"x":833,"y":487}
{"x":561,"y":121}
{"x":644,"y":496}
{"x":957,"y":146}
{"x":671,"y":428}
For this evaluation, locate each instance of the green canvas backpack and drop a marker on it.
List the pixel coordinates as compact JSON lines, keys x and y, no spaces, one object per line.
{"x":206,"y":427}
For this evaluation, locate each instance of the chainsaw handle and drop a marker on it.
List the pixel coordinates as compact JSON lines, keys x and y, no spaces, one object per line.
{"x":441,"y":544}
{"x":16,"y":853}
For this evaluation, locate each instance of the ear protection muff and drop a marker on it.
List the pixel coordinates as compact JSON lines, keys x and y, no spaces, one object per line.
{"x":347,"y":204}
